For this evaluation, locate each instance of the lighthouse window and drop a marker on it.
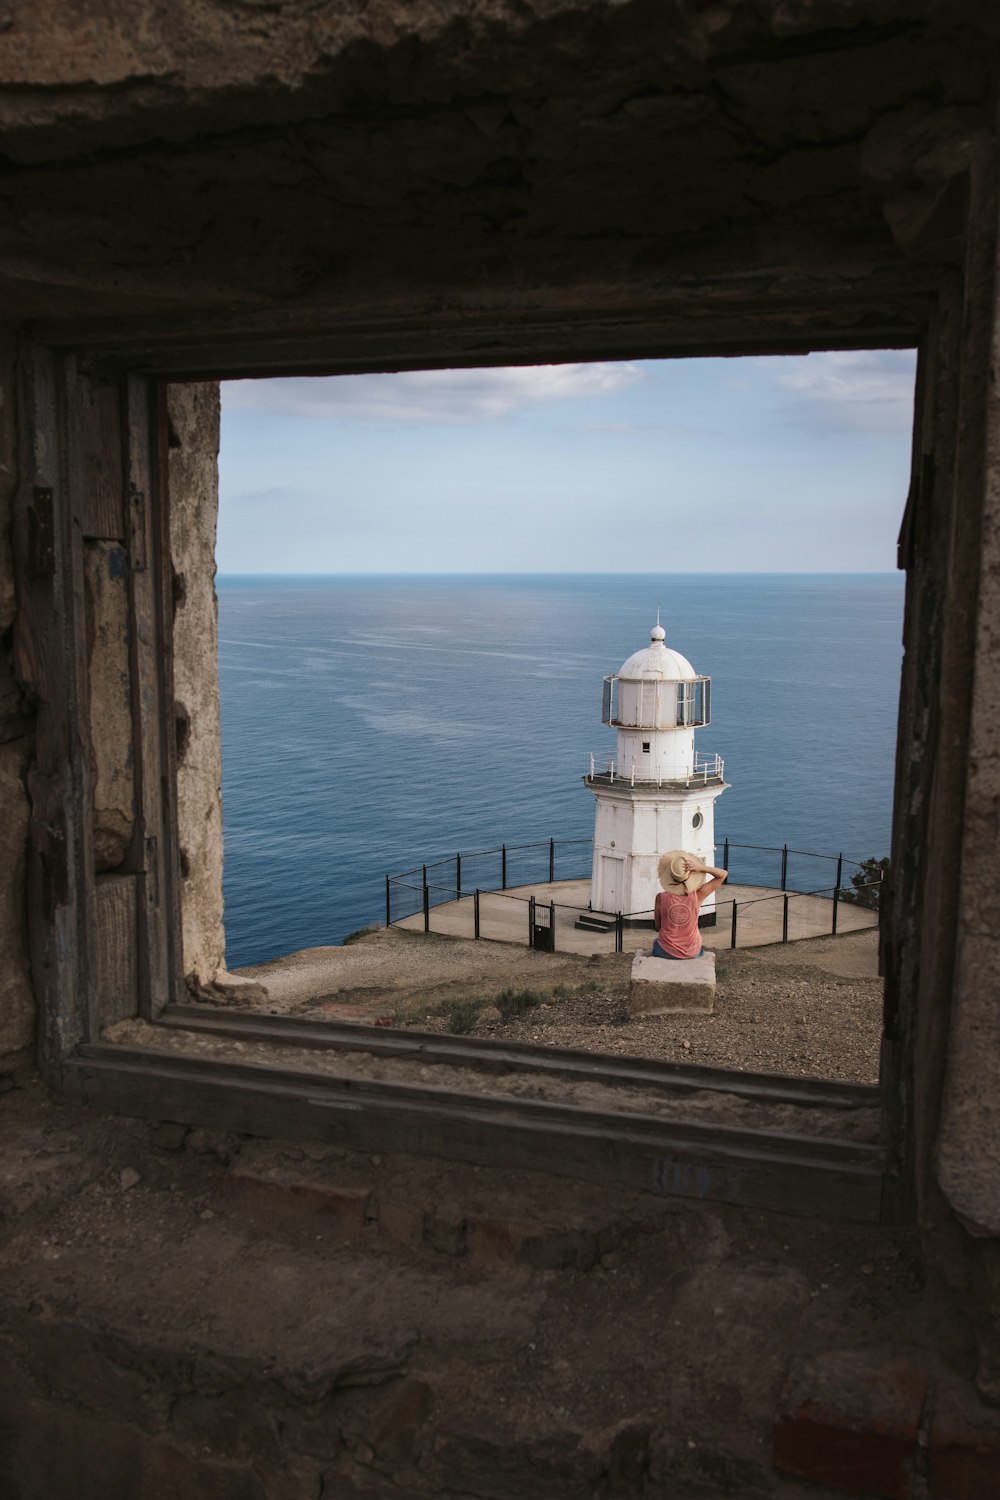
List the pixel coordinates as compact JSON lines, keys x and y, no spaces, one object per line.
{"x":645,"y":747}
{"x":697,"y":820}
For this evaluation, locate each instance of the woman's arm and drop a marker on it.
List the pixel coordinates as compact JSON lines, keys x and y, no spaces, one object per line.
{"x":719,"y":877}
{"x":656,"y":910}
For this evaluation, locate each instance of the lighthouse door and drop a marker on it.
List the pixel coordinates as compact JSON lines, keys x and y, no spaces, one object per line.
{"x":612,"y":882}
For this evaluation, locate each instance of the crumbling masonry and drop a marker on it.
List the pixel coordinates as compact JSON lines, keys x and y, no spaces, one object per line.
{"x":219,"y":188}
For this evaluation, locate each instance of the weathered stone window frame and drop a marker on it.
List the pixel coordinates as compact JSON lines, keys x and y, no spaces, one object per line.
{"x":94,"y":444}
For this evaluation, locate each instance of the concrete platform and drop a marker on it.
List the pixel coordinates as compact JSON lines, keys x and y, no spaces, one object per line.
{"x":503,"y":916}
{"x":666,"y":987}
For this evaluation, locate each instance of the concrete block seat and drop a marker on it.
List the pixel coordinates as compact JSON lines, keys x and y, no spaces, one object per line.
{"x":663,"y":986}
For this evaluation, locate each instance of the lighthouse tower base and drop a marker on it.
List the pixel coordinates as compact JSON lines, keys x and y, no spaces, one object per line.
{"x":633,"y":826}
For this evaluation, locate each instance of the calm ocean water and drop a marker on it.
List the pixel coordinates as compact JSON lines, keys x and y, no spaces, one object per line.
{"x":369,"y":724}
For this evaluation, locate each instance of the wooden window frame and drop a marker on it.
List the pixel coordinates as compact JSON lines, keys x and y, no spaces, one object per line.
{"x":77,"y":921}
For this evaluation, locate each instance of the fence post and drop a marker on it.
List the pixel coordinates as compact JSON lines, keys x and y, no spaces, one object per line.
{"x":552,"y":926}
{"x":619,"y":933}
{"x":427,"y":908}
{"x":784,"y":867}
{"x":840,"y":871}
{"x":503,"y":867}
{"x":458,"y":875}
{"x":552,"y":861}
{"x":784,"y":919}
{"x":475,"y":914}
{"x":531,"y":921}
{"x":388,"y":903}
{"x":836,"y":902}
{"x":725,"y":855}
{"x":732,"y":936}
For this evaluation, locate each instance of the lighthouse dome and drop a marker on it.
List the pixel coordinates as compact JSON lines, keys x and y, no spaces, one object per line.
{"x":657,"y":661}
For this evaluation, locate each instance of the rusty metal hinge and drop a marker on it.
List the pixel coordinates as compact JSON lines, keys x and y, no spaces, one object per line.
{"x":137,"y":529}
{"x":41,"y":533}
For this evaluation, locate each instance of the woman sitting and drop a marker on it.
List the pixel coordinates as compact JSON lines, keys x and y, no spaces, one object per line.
{"x":678,"y":904}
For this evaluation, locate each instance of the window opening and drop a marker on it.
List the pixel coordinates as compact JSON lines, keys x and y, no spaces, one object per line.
{"x":354,"y":663}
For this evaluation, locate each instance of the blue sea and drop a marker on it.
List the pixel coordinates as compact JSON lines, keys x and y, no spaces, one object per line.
{"x":370,"y":724}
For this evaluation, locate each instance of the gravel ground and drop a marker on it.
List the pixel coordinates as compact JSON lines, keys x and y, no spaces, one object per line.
{"x":792,"y":1020}
{"x":389,"y":968}
{"x":812,"y":1008}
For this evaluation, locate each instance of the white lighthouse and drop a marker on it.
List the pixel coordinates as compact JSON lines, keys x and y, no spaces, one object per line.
{"x":656,"y":793}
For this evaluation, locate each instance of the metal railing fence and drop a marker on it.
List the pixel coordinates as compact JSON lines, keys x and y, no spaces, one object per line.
{"x":494,"y":872}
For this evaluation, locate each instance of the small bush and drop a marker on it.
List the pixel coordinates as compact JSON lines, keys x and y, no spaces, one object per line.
{"x":462,"y":1016}
{"x":869,"y":883}
{"x":511,"y":1002}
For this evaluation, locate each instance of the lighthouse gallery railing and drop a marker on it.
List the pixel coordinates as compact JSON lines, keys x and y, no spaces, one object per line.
{"x":705,"y":768}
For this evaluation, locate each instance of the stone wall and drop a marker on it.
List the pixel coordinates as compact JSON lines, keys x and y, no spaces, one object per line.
{"x":193,"y":416}
{"x":968,"y":1146}
{"x":348,"y":156}
{"x":17,"y":1011}
{"x":247,"y":187}
{"x":969,"y":1156}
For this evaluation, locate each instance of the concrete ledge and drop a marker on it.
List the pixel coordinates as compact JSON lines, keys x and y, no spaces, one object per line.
{"x":663,"y":986}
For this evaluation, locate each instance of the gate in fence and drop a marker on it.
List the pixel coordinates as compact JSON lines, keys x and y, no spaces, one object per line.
{"x":542,"y":925}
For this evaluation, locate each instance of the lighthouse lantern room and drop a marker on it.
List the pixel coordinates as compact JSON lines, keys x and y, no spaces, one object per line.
{"x":656,"y":793}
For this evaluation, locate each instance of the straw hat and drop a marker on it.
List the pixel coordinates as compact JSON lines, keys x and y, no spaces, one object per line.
{"x":670,"y":869}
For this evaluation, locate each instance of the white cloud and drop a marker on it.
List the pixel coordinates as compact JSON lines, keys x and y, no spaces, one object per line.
{"x":653,"y":430}
{"x":869,"y":390}
{"x":429,"y":395}
{"x":265,"y":499}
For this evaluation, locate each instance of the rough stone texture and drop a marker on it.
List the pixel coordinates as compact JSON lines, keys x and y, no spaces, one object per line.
{"x":17,"y":1011}
{"x":329,"y":1323}
{"x":330,"y":155}
{"x":8,"y":483}
{"x":963,"y":1440}
{"x":851,"y":1419}
{"x":969,"y":1142}
{"x":883,"y":1424}
{"x":17,"y":1014}
{"x":106,"y":585}
{"x":193,"y":412}
{"x":225,"y":186}
{"x":662,"y":986}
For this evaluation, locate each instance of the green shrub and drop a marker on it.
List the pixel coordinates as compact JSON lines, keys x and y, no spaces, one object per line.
{"x":511,"y":1002}
{"x":462,"y":1016}
{"x":870,"y":883}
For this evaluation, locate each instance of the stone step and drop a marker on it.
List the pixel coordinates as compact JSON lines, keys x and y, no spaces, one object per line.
{"x":591,"y":922}
{"x":666,"y":986}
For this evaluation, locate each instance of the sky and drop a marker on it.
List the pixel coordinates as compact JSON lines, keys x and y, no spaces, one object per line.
{"x":770,"y":464}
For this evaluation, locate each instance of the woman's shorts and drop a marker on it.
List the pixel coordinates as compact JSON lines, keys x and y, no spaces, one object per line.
{"x":659,"y":953}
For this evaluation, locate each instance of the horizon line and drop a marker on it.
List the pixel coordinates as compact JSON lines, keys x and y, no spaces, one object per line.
{"x":575,"y":573}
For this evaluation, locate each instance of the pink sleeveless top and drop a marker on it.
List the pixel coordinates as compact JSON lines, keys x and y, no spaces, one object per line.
{"x":679,"y":934}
